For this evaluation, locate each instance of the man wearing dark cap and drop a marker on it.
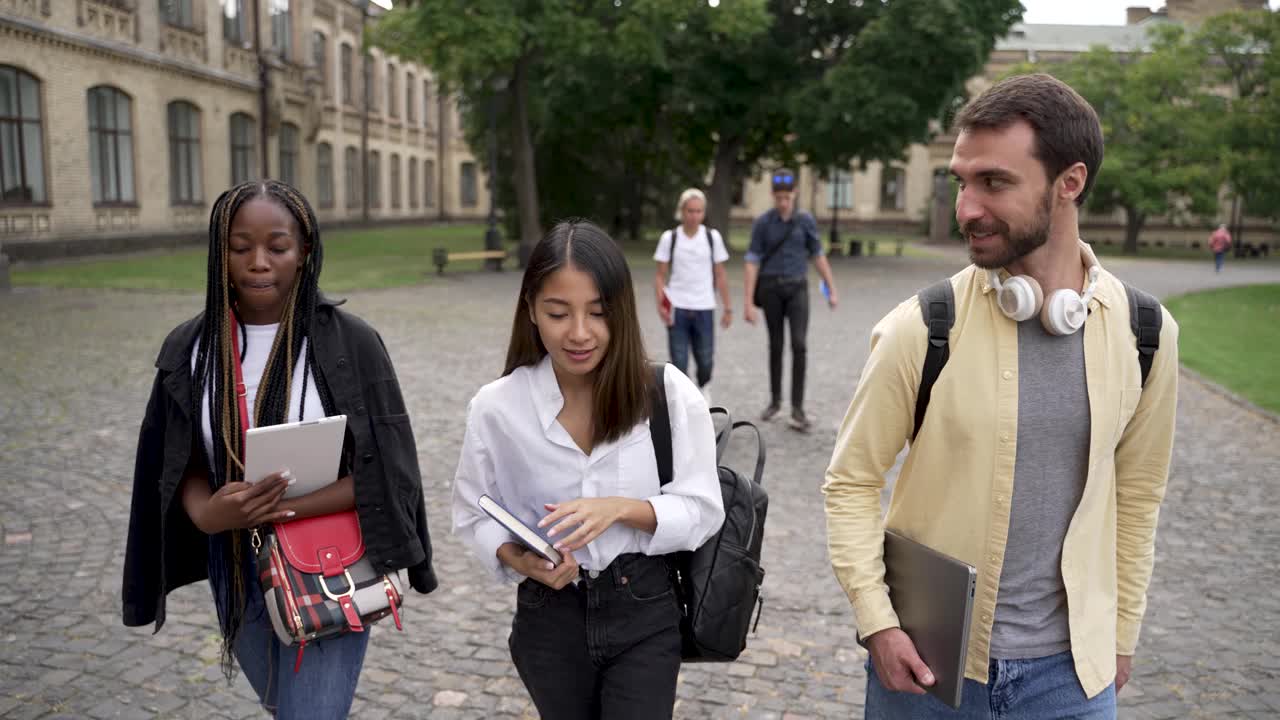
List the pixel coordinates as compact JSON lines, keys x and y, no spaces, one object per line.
{"x":783,"y":240}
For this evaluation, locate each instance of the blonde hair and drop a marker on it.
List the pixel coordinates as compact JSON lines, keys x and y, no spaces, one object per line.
{"x":686,"y":196}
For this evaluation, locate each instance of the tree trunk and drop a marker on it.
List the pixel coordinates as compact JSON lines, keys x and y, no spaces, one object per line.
{"x":725,"y":177}
{"x":526,"y":180}
{"x":635,"y":203}
{"x":1133,"y":221}
{"x":1237,"y":226}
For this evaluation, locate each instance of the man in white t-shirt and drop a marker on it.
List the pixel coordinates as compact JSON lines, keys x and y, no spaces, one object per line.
{"x":689,"y":276}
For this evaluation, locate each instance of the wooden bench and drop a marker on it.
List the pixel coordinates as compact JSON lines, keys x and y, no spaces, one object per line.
{"x":869,"y":247}
{"x":442,"y":257}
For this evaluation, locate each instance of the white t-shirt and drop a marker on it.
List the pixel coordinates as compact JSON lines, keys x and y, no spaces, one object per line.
{"x":256,"y":349}
{"x":690,"y":282}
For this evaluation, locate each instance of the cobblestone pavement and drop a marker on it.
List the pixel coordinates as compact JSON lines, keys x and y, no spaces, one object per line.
{"x":76,"y":368}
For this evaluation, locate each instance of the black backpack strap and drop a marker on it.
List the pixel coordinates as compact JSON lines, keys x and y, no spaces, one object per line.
{"x":671,"y":264}
{"x":711,"y":253}
{"x":938,"y":309}
{"x":1145,"y":319}
{"x":660,"y":424}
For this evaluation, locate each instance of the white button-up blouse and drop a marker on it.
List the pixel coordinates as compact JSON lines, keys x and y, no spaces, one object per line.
{"x":516,"y":452}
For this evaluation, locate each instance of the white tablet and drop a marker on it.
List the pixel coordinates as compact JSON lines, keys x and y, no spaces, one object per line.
{"x":310,"y":449}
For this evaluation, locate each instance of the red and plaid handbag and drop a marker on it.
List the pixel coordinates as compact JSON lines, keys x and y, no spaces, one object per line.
{"x":317,"y":582}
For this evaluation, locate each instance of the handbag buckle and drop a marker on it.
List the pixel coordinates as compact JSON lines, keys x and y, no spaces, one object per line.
{"x":351,"y":587}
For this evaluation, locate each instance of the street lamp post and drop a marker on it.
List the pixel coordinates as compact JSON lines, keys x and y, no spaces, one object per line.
{"x":264,"y":90}
{"x":838,"y":197}
{"x":493,"y":236}
{"x":365,"y":80}
{"x":5,"y":283}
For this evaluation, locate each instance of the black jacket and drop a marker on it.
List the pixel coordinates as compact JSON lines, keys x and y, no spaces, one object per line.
{"x":166,"y":551}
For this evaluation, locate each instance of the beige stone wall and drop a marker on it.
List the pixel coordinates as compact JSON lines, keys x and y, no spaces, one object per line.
{"x":71,"y":46}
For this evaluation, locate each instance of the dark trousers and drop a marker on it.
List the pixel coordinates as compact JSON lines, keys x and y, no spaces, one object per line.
{"x":605,"y":647}
{"x":694,"y":329}
{"x":786,"y":299}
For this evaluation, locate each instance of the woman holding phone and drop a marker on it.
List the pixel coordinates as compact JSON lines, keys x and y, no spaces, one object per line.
{"x":562,"y":441}
{"x":301,"y":358}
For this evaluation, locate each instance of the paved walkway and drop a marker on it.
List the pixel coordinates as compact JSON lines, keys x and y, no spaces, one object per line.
{"x":76,"y":368}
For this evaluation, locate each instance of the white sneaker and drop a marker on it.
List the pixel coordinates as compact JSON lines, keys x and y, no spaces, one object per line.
{"x":706,"y":393}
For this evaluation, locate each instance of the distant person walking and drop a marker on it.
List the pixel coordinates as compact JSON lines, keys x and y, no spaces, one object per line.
{"x":691,"y":273}
{"x":1219,"y":243}
{"x":783,"y":241}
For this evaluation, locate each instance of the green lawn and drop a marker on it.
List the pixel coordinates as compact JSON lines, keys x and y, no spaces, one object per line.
{"x":911,"y":246}
{"x":354,"y":259}
{"x":1232,"y":336}
{"x":1177,"y":253}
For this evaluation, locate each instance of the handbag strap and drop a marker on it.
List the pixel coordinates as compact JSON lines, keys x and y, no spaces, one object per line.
{"x":778,"y":245}
{"x":240,"y":389}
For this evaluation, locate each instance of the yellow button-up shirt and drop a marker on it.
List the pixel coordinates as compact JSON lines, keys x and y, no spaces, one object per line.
{"x":955,"y":486}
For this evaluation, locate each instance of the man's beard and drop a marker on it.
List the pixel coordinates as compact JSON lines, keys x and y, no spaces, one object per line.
{"x":1017,"y":244}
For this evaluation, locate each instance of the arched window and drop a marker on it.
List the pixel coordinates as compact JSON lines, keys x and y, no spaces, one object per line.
{"x":395,"y":181}
{"x":428,"y":183}
{"x":467,"y":185}
{"x":184,"y":154}
{"x":410,"y":112}
{"x":111,"y":145}
{"x":347,"y":59}
{"x":413,"y":183}
{"x":21,"y":139}
{"x":289,"y":154}
{"x":374,"y":179}
{"x":324,"y":175}
{"x":320,"y":58}
{"x":393,"y":109}
{"x":351,"y":168}
{"x":243,"y":156}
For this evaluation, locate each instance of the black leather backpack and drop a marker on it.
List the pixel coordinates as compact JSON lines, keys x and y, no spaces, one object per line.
{"x":718,"y":585}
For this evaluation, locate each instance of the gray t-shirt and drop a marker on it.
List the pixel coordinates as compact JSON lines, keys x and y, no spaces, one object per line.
{"x":1048,"y":482}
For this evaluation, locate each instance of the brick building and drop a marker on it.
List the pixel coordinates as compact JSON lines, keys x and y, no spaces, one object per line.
{"x":122,"y":120}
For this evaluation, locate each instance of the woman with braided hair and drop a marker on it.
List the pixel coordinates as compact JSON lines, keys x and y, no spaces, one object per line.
{"x":302,"y":358}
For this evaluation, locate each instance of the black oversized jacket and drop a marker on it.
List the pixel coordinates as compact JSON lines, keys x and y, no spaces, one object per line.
{"x":166,"y":551}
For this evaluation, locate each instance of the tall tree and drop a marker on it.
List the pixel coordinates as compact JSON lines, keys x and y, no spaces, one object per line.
{"x":479,"y":47}
{"x":835,"y":82}
{"x":522,"y":50}
{"x":1163,"y":149}
{"x":1242,"y":46}
{"x":624,"y":101}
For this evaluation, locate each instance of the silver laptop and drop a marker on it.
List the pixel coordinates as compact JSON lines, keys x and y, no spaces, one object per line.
{"x":933,"y":596}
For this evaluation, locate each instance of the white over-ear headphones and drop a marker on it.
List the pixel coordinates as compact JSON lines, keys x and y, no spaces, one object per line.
{"x":1020,"y":298}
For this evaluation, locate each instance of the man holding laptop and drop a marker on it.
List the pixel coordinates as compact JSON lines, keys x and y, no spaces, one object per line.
{"x":1043,"y":456}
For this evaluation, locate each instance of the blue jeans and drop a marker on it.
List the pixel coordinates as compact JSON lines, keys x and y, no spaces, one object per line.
{"x":1036,"y":689}
{"x":322,"y":688}
{"x":696,"y":328}
{"x":1218,"y":257}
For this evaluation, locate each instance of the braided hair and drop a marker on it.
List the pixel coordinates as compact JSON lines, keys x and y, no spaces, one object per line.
{"x":215,"y":367}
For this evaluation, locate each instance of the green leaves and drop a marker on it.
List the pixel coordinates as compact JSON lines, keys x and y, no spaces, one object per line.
{"x":1242,"y":48}
{"x":631,"y":100}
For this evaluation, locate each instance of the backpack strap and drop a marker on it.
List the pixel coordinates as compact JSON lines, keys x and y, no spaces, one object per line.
{"x":660,"y":428}
{"x":938,"y":310}
{"x":660,"y":424}
{"x":1145,"y":319}
{"x":711,"y":253}
{"x":671,"y":265}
